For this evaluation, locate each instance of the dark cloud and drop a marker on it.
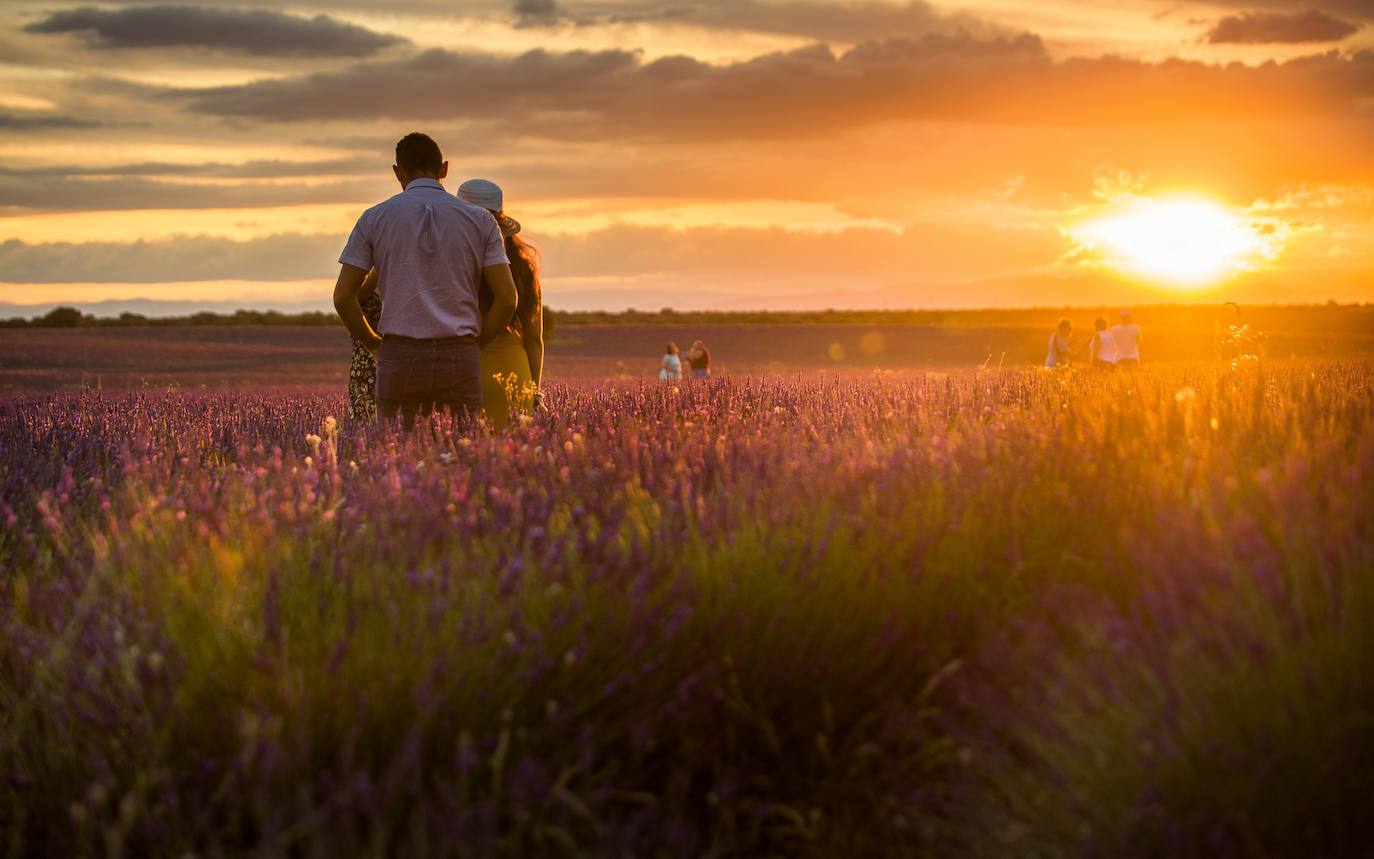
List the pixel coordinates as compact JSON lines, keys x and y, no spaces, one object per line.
{"x":840,"y":22}
{"x":247,"y":170}
{"x":531,"y":13}
{"x":846,"y":21}
{"x":19,"y":122}
{"x":257,"y":32}
{"x":810,"y":92}
{"x":1359,"y":10}
{"x":1275,"y":28}
{"x":536,"y":8}
{"x":432,"y":85}
{"x":37,"y":192}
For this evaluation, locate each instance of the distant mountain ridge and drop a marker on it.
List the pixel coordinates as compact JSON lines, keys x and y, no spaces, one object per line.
{"x":154,"y":308}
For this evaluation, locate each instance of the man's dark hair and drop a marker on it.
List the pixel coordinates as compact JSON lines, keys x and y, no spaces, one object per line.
{"x":418,"y":153}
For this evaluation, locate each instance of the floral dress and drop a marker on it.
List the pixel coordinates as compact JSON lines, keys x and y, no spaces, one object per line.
{"x":362,"y":370}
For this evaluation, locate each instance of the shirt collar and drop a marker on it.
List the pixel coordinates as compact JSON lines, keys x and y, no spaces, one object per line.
{"x":424,"y":182}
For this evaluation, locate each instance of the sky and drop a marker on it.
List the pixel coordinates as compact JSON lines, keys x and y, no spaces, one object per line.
{"x":700,"y":154}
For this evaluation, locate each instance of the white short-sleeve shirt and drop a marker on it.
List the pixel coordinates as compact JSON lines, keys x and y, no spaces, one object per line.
{"x":429,"y":248}
{"x":1127,"y":339}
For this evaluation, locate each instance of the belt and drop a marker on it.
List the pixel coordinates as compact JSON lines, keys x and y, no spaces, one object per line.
{"x":460,"y":338}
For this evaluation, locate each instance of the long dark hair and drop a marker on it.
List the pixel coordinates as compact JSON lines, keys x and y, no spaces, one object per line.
{"x":524,"y":269}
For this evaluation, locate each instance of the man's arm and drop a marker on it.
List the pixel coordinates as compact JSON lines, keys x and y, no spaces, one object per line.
{"x":346,"y":291}
{"x":504,"y":300}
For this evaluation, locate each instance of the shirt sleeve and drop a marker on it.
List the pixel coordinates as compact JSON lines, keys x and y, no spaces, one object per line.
{"x":358,"y":251}
{"x":494,"y":252}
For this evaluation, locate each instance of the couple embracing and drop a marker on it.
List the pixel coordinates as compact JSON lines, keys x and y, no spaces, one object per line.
{"x":441,"y":298}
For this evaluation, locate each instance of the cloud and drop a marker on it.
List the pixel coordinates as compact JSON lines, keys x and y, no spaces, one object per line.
{"x":1360,"y":10}
{"x":533,"y":13}
{"x":764,"y":257}
{"x":579,"y":92}
{"x":825,"y":21}
{"x":258,"y":169}
{"x":809,"y":92}
{"x":935,"y":264}
{"x":255,"y":32}
{"x":430,"y":85}
{"x":19,"y":122}
{"x":1274,"y":28}
{"x":283,"y":257}
{"x":38,"y":192}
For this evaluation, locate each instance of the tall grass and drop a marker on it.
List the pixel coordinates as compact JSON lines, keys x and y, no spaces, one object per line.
{"x":994,"y":614}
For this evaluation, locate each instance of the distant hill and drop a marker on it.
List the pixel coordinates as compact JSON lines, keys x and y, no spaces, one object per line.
{"x":156,"y":309}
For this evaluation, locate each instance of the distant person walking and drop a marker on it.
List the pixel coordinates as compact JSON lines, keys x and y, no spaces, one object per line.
{"x":699,"y":359}
{"x":432,"y":252}
{"x":513,"y":358}
{"x":1060,"y":352}
{"x":670,"y":368}
{"x":362,"y":367}
{"x":1126,"y":336}
{"x":1102,"y":348}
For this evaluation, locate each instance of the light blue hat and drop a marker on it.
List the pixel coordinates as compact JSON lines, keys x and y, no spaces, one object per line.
{"x":482,"y":192}
{"x":487,"y":194}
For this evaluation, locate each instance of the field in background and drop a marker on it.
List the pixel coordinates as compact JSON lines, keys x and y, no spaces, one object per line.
{"x":629,"y":345}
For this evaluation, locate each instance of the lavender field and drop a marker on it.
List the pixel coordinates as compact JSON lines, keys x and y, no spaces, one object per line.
{"x":982,"y":614}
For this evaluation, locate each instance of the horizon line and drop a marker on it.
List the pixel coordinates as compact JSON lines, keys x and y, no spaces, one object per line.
{"x":186,"y":309}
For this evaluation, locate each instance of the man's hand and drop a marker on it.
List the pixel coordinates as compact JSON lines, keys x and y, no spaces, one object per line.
{"x":346,"y":290}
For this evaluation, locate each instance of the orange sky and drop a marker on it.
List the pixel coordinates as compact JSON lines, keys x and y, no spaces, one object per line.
{"x":703,"y":154}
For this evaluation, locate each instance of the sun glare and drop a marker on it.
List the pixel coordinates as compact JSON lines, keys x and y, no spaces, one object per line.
{"x":1183,"y":241}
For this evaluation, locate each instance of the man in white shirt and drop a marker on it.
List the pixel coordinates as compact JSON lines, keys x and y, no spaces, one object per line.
{"x":432,"y":252}
{"x":1126,"y":336}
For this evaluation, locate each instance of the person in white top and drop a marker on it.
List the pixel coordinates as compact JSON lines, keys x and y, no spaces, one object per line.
{"x":1126,"y":336}
{"x":1102,"y":348}
{"x":1060,"y":352}
{"x":671,"y":366}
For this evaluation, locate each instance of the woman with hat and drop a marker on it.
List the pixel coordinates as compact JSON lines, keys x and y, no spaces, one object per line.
{"x":513,"y":361}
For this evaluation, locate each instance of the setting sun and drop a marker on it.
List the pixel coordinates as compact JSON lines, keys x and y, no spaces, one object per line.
{"x":1185,"y":241}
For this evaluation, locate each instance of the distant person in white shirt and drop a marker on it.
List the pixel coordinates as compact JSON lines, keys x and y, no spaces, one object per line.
{"x":1102,"y":349}
{"x":1060,"y":352}
{"x":1126,"y":336}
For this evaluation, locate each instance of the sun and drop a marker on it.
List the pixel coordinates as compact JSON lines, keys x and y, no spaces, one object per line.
{"x":1188,"y":242}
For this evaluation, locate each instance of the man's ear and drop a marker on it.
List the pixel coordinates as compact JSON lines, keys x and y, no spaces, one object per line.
{"x":443,"y":170}
{"x":400,"y":176}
